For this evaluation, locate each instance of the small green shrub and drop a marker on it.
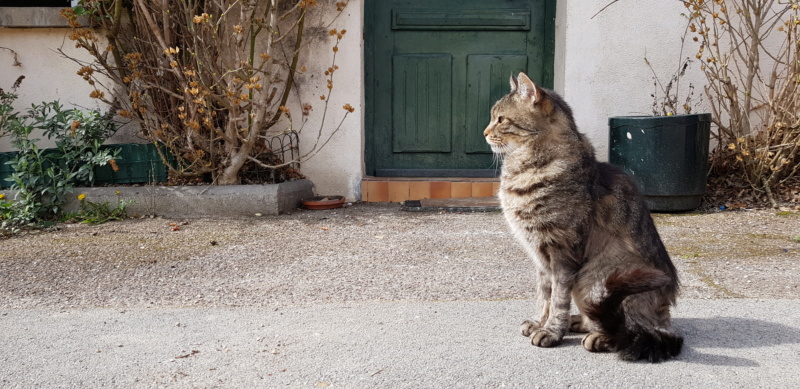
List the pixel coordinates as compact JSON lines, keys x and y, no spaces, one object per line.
{"x":44,"y":178}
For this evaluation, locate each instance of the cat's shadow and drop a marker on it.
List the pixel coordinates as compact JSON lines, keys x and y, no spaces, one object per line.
{"x":722,"y":333}
{"x":730,"y":333}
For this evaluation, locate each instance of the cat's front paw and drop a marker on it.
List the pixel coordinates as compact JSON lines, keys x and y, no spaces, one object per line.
{"x":528,"y":326}
{"x":595,"y":342}
{"x":545,"y":338}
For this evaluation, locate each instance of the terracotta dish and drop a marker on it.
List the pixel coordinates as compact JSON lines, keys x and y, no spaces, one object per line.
{"x":323,"y":202}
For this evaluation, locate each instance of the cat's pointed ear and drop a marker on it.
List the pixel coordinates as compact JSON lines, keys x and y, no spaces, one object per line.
{"x":527,"y":89}
{"x":513,"y":82}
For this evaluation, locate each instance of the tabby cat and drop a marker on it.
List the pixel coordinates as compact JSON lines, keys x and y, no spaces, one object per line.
{"x":587,"y":229}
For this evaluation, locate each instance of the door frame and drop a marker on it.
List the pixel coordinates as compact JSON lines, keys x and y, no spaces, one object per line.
{"x":370,"y":52}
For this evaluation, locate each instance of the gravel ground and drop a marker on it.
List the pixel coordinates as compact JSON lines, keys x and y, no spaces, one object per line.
{"x":362,"y":253}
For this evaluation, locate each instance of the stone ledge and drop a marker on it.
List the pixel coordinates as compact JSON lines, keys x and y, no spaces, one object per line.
{"x":34,"y":17}
{"x":200,"y":201}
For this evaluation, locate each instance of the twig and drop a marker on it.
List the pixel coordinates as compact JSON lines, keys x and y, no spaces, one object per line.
{"x":604,"y":8}
{"x":376,"y":373}
{"x":14,"y":53}
{"x":188,"y":355}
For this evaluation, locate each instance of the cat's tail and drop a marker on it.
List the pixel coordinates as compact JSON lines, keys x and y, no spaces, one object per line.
{"x":633,"y":340}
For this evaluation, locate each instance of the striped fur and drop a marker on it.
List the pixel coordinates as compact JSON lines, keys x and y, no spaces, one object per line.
{"x":586,"y":228}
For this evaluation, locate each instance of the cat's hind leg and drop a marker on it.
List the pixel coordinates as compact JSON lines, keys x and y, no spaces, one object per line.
{"x":595,"y":342}
{"x":579,"y":324}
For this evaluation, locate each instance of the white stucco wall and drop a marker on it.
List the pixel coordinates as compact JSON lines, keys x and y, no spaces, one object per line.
{"x":599,"y":63}
{"x":338,"y":167}
{"x":599,"y":68}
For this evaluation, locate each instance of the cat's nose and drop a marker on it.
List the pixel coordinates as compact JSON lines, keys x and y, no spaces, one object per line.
{"x":486,"y":132}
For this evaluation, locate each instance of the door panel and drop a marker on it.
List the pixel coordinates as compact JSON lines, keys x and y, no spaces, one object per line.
{"x":421,"y":103}
{"x":487,"y":81}
{"x":461,"y":19}
{"x":434,"y":69}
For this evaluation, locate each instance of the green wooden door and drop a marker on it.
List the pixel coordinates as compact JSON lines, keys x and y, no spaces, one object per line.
{"x":434,"y":69}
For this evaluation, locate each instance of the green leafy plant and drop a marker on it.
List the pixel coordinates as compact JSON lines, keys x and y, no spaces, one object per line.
{"x":98,"y":212}
{"x":44,"y":178}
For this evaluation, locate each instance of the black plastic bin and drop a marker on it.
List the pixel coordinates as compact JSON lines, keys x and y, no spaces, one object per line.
{"x":666,"y":155}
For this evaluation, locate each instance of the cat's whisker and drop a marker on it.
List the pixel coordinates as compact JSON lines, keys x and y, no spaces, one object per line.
{"x":497,"y":161}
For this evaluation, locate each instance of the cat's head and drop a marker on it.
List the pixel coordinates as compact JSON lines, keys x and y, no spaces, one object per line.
{"x":525,"y":112}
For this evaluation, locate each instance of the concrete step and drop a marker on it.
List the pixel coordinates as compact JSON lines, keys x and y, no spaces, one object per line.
{"x":464,"y":204}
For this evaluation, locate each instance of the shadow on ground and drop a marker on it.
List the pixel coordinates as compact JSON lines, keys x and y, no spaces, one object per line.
{"x":730,"y":333}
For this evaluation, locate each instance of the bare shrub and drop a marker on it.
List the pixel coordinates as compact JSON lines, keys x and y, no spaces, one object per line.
{"x":208,"y":81}
{"x":753,"y":86}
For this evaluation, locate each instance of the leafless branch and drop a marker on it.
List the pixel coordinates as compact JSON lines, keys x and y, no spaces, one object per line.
{"x":604,"y":8}
{"x":14,"y":53}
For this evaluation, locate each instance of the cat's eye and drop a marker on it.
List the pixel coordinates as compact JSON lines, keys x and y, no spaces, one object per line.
{"x":500,"y":119}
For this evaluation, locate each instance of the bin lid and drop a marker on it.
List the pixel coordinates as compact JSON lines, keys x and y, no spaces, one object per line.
{"x":658,"y":121}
